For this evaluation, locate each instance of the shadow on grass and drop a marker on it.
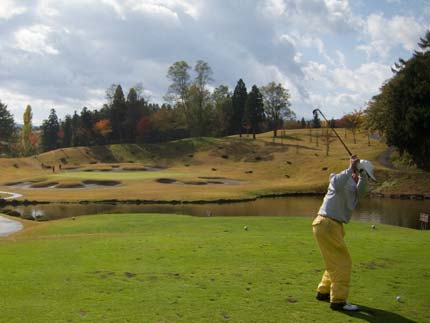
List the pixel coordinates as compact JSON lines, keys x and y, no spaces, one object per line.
{"x":374,"y":315}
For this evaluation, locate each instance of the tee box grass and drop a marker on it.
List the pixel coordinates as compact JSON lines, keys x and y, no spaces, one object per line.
{"x":172,"y":268}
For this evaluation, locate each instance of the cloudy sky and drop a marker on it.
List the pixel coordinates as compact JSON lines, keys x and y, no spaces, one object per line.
{"x":333,"y":54}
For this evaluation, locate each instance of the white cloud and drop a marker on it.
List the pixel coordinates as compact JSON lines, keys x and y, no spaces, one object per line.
{"x":306,"y":41}
{"x":45,"y":8}
{"x":385,"y":34}
{"x":273,"y":8}
{"x":343,"y":89}
{"x":156,"y":10}
{"x":34,"y":39}
{"x":11,"y":8}
{"x":307,"y":45}
{"x":17,"y":102}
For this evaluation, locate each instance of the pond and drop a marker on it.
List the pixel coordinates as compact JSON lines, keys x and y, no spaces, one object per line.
{"x":404,"y":213}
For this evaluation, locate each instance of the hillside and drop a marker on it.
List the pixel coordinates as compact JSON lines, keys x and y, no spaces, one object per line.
{"x":200,"y":169}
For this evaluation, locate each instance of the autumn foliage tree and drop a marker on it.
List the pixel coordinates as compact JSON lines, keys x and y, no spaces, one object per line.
{"x":354,"y":122}
{"x":26,"y":131}
{"x":103,"y":128}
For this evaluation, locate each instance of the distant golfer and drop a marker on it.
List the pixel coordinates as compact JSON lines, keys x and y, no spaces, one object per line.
{"x":342,"y":196}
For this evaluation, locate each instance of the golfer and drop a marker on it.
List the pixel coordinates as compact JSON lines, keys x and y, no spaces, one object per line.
{"x":342,"y":196}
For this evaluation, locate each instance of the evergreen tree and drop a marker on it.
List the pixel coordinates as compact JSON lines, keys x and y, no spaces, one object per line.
{"x":26,"y":131}
{"x":86,"y":134}
{"x":67,"y":131}
{"x":118,"y":114}
{"x":75,"y":129}
{"x":7,"y":125}
{"x":132,"y":116}
{"x":254,"y":109}
{"x":238,"y":104}
{"x":50,"y":129}
{"x":316,"y":122}
{"x":303,"y":123}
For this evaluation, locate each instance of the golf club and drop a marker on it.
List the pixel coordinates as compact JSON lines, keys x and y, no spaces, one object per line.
{"x":315,"y":112}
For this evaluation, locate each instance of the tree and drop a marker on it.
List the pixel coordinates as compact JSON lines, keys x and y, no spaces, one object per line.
{"x":26,"y":131}
{"x":276,"y":105}
{"x":103,"y":128}
{"x":143,"y":127}
{"x":402,"y":110}
{"x":179,"y":90}
{"x":66,"y":126}
{"x":167,"y":124}
{"x":355,"y":120}
{"x":50,"y":130}
{"x":118,"y":115}
{"x":134,"y":105}
{"x":75,"y":129}
{"x":254,"y":109}
{"x":303,"y":123}
{"x":201,"y":96}
{"x":238,"y":104}
{"x":221,"y":98}
{"x":180,"y":78}
{"x":85,"y":132}
{"x":7,"y":126}
{"x":316,"y":122}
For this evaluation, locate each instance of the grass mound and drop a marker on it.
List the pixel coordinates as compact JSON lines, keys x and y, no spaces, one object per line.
{"x":152,"y":268}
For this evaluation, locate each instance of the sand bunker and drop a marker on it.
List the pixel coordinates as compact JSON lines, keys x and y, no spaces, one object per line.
{"x":101,"y":182}
{"x":86,"y":184}
{"x":205,"y":181}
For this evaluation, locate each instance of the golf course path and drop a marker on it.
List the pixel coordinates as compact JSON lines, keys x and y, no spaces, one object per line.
{"x":13,"y":195}
{"x":8,"y":226}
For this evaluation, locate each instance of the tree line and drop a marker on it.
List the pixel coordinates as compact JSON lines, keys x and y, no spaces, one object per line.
{"x":191,"y":109}
{"x":401,"y":111}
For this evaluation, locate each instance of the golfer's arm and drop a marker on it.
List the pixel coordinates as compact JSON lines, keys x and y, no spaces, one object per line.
{"x":339,"y":180}
{"x":362,"y":186}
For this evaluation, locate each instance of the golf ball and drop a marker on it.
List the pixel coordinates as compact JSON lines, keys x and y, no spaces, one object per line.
{"x":245,"y":227}
{"x":373,"y":226}
{"x":398,"y":298}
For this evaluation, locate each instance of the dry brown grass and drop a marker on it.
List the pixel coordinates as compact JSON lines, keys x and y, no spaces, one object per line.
{"x":265,"y":166}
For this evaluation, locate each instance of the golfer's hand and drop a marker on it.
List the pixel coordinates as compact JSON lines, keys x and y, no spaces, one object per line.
{"x":353,"y":162}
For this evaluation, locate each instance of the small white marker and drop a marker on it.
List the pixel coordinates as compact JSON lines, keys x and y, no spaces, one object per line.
{"x":245,"y":227}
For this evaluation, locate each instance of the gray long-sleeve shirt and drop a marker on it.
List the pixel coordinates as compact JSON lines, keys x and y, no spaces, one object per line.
{"x":342,"y":195}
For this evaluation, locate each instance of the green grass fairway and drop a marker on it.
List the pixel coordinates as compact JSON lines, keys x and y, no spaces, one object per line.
{"x":170,"y":268}
{"x":131,"y":175}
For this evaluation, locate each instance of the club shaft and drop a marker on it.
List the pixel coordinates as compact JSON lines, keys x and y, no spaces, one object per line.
{"x":335,"y":132}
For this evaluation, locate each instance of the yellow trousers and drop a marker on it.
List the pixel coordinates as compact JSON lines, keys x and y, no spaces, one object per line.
{"x":335,"y":280}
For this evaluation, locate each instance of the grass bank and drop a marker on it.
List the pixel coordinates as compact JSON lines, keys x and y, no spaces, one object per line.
{"x":207,"y":168}
{"x":170,"y":268}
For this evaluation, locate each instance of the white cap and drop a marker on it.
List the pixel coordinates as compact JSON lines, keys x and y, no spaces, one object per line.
{"x":368,"y":167}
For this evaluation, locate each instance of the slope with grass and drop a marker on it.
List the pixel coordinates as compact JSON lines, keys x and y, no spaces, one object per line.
{"x":170,"y":268}
{"x":199,"y":169}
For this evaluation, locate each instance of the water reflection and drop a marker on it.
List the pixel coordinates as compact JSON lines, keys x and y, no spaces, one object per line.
{"x":404,"y":213}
